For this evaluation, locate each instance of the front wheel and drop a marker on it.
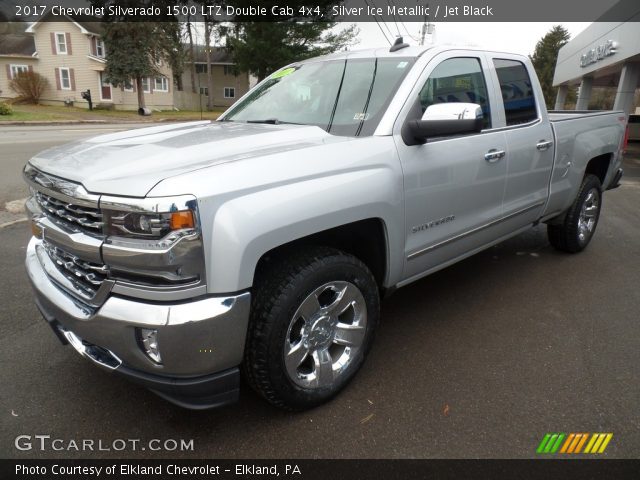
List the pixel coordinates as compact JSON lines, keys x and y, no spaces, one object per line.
{"x":580,"y":222}
{"x":313,"y":319}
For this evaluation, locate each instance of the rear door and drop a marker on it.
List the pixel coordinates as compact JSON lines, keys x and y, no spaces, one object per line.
{"x":453,"y":190}
{"x":530,"y":149}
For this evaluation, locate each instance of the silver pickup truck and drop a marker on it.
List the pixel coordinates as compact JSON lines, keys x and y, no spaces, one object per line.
{"x":180,"y":255}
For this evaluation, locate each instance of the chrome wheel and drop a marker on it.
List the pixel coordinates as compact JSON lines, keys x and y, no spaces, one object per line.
{"x":588,"y":215}
{"x":325,"y":334}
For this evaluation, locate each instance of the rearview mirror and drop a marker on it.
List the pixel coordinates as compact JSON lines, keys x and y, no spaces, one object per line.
{"x":444,"y":119}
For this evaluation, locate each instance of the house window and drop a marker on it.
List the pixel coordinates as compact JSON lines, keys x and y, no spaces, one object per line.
{"x":145,"y":85}
{"x":201,"y":68}
{"x":61,"y":43}
{"x":229,"y":92}
{"x":128,"y":85}
{"x":100,"y":48}
{"x":65,"y":79}
{"x":17,"y":69}
{"x":161,"y":84}
{"x":230,"y":70}
{"x":204,"y":91}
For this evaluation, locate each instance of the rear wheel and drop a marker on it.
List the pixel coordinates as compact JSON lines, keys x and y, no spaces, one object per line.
{"x":313,"y":319}
{"x":580,"y":222}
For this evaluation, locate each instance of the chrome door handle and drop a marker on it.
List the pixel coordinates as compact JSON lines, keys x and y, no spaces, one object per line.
{"x":543,"y":145}
{"x":494,"y":155}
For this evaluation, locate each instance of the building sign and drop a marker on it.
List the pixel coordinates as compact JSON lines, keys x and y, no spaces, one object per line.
{"x":598,"y":53}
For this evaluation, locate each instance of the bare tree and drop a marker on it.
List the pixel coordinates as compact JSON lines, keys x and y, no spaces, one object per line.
{"x":208,"y":34}
{"x":191,"y":54}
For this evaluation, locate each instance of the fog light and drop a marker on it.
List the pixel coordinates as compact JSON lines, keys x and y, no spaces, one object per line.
{"x":149,"y":343}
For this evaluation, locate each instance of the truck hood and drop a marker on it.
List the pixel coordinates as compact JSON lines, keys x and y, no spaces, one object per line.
{"x":130,"y":163}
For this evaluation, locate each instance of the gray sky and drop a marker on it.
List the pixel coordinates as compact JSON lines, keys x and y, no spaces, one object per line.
{"x":516,"y":37}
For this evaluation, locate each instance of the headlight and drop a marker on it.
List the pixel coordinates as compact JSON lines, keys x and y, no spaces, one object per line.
{"x":153,"y":243}
{"x":148,"y":218}
{"x":147,"y":225}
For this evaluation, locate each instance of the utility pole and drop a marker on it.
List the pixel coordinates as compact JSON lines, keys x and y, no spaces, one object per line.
{"x":427,"y":28}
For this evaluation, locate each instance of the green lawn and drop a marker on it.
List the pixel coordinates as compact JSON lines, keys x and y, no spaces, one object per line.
{"x":44,"y":113}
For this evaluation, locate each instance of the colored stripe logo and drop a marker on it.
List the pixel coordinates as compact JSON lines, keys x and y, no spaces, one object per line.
{"x":593,"y":443}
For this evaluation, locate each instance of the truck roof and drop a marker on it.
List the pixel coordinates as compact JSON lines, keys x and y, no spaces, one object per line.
{"x":410,"y":51}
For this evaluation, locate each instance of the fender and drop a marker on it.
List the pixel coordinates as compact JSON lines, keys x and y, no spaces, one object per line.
{"x":321,"y":187}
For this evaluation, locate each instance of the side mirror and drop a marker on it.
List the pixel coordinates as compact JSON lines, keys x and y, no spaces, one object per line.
{"x":442,"y":120}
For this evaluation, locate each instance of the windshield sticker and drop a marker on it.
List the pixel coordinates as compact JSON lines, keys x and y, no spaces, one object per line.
{"x":402,"y":64}
{"x":284,"y":73}
{"x":361,"y":116}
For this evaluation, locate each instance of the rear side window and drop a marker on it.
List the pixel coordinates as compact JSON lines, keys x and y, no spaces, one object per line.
{"x":634,"y":118}
{"x":457,"y":80}
{"x":517,"y":93}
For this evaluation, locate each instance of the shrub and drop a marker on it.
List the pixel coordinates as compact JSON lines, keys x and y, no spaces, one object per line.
{"x":29,"y":85}
{"x":5,"y":109}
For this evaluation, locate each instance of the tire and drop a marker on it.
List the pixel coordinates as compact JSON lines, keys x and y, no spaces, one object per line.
{"x":301,"y":352}
{"x":581,"y":220}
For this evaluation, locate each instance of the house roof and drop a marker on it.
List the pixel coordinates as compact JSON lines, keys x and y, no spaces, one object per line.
{"x":89,"y":23}
{"x":86,"y":23}
{"x":17,"y":44}
{"x":218,"y":55}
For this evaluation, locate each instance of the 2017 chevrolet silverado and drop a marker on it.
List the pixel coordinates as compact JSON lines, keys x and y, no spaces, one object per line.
{"x":177,"y":255}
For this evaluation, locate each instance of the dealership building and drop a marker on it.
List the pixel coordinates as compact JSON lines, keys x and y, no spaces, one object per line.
{"x":606,"y":54}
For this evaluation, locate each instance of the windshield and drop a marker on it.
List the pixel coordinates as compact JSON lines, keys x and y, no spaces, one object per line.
{"x":343,"y":97}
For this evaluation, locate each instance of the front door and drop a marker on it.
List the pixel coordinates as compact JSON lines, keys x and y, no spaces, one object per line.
{"x":105,"y":88}
{"x":453,"y":191}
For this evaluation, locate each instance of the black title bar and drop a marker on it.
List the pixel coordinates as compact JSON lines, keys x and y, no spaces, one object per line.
{"x":327,"y":10}
{"x":600,"y":469}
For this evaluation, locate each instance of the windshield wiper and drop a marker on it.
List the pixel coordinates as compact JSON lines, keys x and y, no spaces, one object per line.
{"x":273,"y":121}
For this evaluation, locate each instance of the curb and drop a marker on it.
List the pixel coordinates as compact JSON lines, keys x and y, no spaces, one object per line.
{"x":36,"y":123}
{"x":13,"y":222}
{"x":52,"y":122}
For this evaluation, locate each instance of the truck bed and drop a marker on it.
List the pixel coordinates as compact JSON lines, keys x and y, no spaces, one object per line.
{"x":579,"y":137}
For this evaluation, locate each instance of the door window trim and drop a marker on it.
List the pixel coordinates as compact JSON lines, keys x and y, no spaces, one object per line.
{"x":498,"y":93}
{"x":424,"y":75}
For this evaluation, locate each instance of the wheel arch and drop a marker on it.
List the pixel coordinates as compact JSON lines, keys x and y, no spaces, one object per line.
{"x":366,"y":239}
{"x":599,"y":166}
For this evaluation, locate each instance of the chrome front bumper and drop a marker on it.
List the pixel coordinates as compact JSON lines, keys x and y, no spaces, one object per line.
{"x":196,"y":338}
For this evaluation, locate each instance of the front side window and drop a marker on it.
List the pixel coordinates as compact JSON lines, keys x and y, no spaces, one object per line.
{"x":229,"y":92}
{"x":457,"y":80}
{"x":517,"y":93}
{"x":65,"y":79}
{"x":161,"y":84}
{"x":18,"y":69}
{"x":61,"y":43}
{"x":343,"y":97}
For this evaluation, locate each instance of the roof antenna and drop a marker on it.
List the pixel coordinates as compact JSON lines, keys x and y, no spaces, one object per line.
{"x":398,"y":44}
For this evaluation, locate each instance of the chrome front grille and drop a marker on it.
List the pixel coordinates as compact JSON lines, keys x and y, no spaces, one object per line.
{"x":85,"y":276}
{"x":76,"y":217}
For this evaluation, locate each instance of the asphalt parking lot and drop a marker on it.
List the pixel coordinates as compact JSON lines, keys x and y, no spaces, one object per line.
{"x":477,"y":361}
